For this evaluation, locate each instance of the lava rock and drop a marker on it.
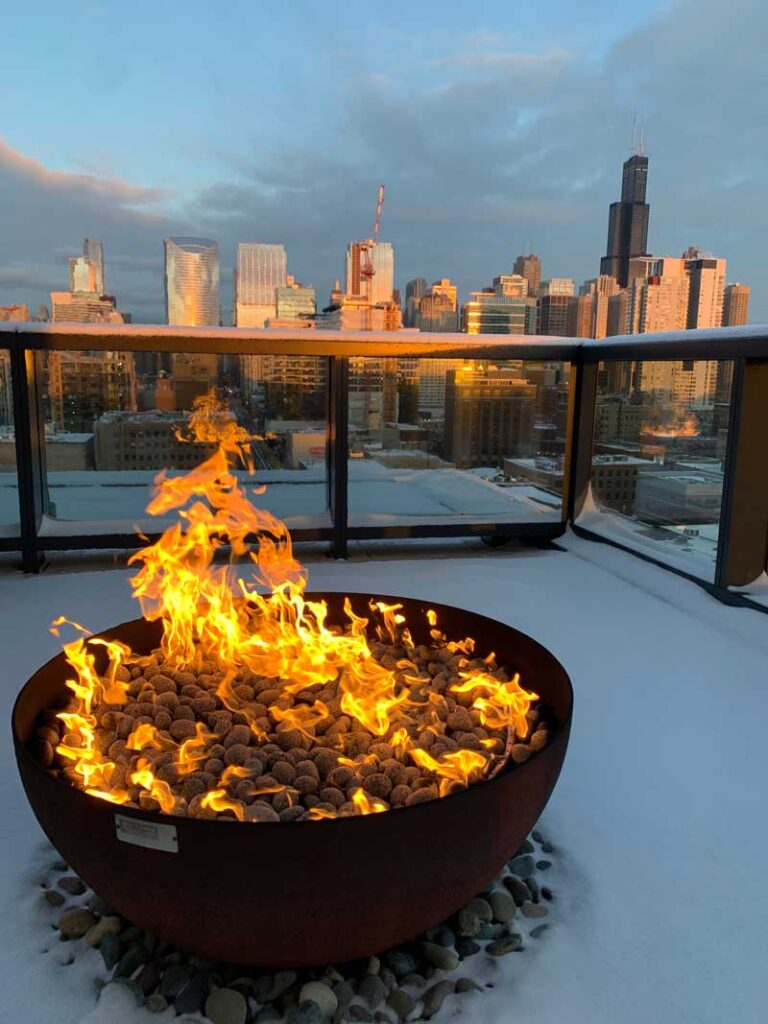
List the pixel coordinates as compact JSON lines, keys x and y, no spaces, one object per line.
{"x":307,"y":1012}
{"x":435,"y":996}
{"x":439,"y":956}
{"x":400,"y":962}
{"x":321,"y":995}
{"x":53,"y":898}
{"x":522,"y":866}
{"x":175,"y":977}
{"x":192,"y":997}
{"x":518,"y":889}
{"x":503,"y":906}
{"x":466,"y":947}
{"x":131,"y":960}
{"x":72,"y":885}
{"x":106,"y":926}
{"x":226,"y":1006}
{"x":539,"y":930}
{"x":401,"y":1002}
{"x":110,"y":949}
{"x":534,"y":910}
{"x":508,"y":944}
{"x":74,"y":923}
{"x":372,"y":990}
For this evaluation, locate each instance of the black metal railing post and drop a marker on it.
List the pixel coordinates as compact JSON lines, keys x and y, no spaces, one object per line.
{"x":29,"y":427}
{"x":337,"y":452}
{"x":577,"y":466}
{"x":742,"y":542}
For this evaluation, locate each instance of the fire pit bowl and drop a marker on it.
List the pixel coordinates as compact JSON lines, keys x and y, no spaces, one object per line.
{"x":311,"y":892}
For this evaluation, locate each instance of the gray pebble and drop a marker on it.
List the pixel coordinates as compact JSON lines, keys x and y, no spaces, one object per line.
{"x":414,"y":979}
{"x":467,"y":985}
{"x":522,"y":866}
{"x":53,"y":898}
{"x":226,"y":1006}
{"x":372,"y":990}
{"x":268,"y":1013}
{"x":148,"y":978}
{"x":543,"y":865}
{"x":547,"y":893}
{"x":345,"y":993}
{"x":400,"y":962}
{"x":537,"y":836}
{"x":388,"y":977}
{"x":72,"y":884}
{"x":131,"y":960}
{"x":281,"y":982}
{"x":502,"y":905}
{"x":262,"y":988}
{"x":74,"y":923}
{"x":110,"y":948}
{"x":533,"y":885}
{"x":321,"y":995}
{"x":175,"y":977}
{"x":547,"y":848}
{"x":157,"y":1003}
{"x":191,"y":999}
{"x":534,"y":910}
{"x":507,"y":944}
{"x":131,"y":986}
{"x":97,"y":906}
{"x":491,"y":931}
{"x":401,"y":1002}
{"x":518,"y":889}
{"x":382,"y":1018}
{"x":442,"y":935}
{"x":435,"y":997}
{"x":307,"y":1012}
{"x":525,"y":847}
{"x":466,"y":947}
{"x":360,"y":1013}
{"x":539,"y":930}
{"x":439,"y":956}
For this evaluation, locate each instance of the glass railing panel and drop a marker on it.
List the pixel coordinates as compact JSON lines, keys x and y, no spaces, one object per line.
{"x":9,"y":489}
{"x":456,"y":442}
{"x":113,"y":419}
{"x":660,"y":437}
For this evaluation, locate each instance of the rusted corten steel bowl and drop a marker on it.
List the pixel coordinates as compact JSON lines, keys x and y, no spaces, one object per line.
{"x":303,"y":893}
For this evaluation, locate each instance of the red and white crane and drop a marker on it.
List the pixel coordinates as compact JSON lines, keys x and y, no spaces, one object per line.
{"x":367,"y":267}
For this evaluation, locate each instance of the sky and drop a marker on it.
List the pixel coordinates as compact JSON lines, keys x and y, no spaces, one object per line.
{"x":496,"y":128}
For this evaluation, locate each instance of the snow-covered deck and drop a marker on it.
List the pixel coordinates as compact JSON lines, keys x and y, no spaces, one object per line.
{"x":659,"y":816}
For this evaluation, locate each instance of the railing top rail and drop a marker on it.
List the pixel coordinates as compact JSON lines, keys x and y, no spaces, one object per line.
{"x":717,"y":343}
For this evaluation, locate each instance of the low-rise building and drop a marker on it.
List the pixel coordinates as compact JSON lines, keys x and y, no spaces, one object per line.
{"x":146,"y":440}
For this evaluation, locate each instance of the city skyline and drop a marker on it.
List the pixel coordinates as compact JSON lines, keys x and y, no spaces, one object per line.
{"x":540,"y":119}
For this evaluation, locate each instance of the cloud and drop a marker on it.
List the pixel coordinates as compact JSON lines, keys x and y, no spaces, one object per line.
{"x":485,"y":149}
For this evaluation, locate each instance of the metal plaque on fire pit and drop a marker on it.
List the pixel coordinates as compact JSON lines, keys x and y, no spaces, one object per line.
{"x":146,"y":833}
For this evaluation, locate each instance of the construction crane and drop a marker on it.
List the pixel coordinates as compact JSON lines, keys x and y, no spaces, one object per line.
{"x":367,"y":268}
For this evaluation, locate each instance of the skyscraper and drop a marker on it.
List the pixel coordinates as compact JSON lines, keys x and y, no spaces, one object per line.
{"x":503,"y":309}
{"x":260,"y":271}
{"x":415,"y":290}
{"x":707,"y":291}
{"x":192,"y":281}
{"x":627,"y":221}
{"x":382,"y":283}
{"x":529,"y":267}
{"x":94,"y":251}
{"x":736,"y":305}
{"x":553,"y":315}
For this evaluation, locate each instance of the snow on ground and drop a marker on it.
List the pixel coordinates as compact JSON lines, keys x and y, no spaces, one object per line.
{"x":659,"y":815}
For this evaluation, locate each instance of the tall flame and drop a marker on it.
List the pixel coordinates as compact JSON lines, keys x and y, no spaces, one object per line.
{"x":227,"y":628}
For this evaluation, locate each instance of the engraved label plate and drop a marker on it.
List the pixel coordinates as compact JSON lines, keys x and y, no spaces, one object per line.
{"x":146,"y":833}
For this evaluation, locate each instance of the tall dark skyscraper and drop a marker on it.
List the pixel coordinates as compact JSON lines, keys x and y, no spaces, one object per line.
{"x":628,"y":221}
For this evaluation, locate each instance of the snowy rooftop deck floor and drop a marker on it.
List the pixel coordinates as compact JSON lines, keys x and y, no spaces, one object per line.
{"x":659,"y":816}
